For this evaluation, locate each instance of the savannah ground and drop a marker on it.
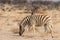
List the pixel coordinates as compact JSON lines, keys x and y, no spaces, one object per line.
{"x":9,"y":24}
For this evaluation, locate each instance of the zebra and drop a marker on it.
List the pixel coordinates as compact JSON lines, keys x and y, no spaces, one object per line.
{"x":34,"y":21}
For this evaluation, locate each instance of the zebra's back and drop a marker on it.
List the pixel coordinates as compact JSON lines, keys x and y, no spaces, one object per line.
{"x":40,"y":19}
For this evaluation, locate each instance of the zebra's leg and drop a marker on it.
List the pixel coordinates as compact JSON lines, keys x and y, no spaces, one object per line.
{"x":50,"y":28}
{"x":34,"y":28}
{"x":21,"y":30}
{"x":45,"y":27}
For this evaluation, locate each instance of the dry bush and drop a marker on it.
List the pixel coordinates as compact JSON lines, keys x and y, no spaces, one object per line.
{"x":42,"y":12}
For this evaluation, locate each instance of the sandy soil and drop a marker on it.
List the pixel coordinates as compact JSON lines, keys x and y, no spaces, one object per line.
{"x":6,"y":35}
{"x":9,"y":26}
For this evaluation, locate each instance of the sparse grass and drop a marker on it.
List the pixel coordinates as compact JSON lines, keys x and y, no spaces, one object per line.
{"x":56,"y":21}
{"x":42,"y":12}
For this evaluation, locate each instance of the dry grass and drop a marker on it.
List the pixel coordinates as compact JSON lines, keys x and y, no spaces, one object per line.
{"x":0,"y":29}
{"x":9,"y":17}
{"x":14,"y":30}
{"x":56,"y":21}
{"x":42,"y":12}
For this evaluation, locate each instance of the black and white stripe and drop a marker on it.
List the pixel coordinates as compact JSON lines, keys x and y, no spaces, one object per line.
{"x":36,"y":20}
{"x":23,"y":23}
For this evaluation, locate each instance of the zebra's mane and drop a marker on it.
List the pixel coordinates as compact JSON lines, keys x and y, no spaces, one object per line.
{"x":25,"y":19}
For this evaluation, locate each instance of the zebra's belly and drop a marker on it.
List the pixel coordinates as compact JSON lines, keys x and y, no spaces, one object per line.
{"x":38,"y":25}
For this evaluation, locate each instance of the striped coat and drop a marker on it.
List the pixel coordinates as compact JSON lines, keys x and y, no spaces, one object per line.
{"x":35,"y":20}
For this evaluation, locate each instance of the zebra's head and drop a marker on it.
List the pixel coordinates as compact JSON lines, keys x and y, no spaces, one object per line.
{"x":23,"y":24}
{"x":21,"y":29}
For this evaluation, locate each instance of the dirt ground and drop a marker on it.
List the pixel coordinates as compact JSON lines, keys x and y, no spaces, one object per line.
{"x":9,"y":27}
{"x":6,"y":35}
